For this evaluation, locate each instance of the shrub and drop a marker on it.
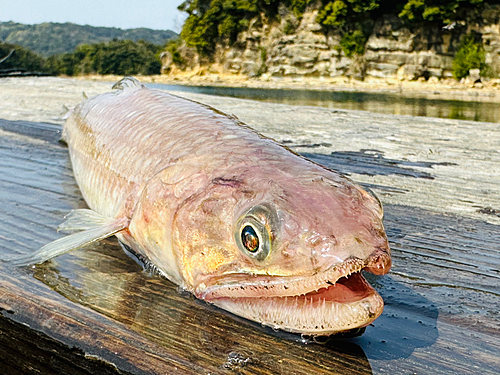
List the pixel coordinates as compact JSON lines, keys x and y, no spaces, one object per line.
{"x":263,"y":65}
{"x":470,"y":55}
{"x":289,"y":27}
{"x":353,"y":43}
{"x":172,"y":48}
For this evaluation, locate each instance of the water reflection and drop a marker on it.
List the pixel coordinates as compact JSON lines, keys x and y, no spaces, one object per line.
{"x":374,"y":102}
{"x":111,"y":283}
{"x":409,"y":321}
{"x":103,"y":278}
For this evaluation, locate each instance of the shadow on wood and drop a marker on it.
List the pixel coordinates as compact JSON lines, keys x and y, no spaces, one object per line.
{"x":95,"y":311}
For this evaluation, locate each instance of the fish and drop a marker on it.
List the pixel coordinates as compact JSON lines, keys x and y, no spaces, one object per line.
{"x":229,"y":215}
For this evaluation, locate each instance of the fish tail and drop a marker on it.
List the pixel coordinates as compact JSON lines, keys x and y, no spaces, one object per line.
{"x":93,"y":226}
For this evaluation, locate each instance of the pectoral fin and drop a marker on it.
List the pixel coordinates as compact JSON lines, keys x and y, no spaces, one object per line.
{"x":94,"y":227}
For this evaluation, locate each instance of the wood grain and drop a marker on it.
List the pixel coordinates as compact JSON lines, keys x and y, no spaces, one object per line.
{"x":95,"y":311}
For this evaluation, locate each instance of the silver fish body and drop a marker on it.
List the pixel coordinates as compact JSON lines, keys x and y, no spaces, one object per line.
{"x":228,"y":214}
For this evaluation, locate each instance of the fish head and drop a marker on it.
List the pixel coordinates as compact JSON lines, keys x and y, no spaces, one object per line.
{"x":283,"y":249}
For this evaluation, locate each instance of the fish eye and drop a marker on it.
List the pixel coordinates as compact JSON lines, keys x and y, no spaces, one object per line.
{"x":256,"y":231}
{"x":250,"y":239}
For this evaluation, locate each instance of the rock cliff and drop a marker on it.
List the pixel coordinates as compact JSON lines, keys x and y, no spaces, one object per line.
{"x":301,"y":47}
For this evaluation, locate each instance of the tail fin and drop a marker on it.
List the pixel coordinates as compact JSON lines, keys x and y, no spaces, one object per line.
{"x":94,"y":227}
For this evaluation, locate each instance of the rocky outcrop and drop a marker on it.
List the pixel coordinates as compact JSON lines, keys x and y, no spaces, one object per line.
{"x":395,"y":50}
{"x":296,"y":47}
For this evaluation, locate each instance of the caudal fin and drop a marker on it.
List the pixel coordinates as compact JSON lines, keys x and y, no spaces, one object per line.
{"x":94,"y":227}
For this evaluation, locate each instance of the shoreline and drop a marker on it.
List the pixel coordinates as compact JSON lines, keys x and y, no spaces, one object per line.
{"x":450,"y":89}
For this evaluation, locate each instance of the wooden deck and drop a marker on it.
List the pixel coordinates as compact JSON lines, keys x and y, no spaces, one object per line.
{"x":93,"y":311}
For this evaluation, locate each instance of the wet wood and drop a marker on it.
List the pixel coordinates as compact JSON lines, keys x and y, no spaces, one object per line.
{"x":95,"y":311}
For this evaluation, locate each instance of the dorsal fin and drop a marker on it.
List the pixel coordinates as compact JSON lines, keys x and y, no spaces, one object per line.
{"x":128,"y":84}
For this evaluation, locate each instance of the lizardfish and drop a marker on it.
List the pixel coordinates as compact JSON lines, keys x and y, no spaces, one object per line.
{"x":229,"y":215}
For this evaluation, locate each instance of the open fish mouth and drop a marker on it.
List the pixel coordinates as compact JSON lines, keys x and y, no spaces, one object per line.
{"x":329,"y":302}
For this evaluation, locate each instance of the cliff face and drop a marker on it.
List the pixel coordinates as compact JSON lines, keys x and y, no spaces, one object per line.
{"x":302,"y":48}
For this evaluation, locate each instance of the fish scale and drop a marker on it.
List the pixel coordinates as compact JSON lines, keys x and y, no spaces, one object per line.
{"x":180,"y":184}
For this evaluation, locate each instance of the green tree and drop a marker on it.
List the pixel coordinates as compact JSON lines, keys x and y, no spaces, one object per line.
{"x":333,"y":14}
{"x":353,"y":19}
{"x":341,"y":14}
{"x":49,"y":39}
{"x":21,"y":58}
{"x":120,"y":57}
{"x":438,"y":10}
{"x":215,"y":21}
{"x":470,"y":55}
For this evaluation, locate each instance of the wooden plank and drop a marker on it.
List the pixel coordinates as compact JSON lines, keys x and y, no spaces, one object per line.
{"x":99,"y":301}
{"x":95,"y":311}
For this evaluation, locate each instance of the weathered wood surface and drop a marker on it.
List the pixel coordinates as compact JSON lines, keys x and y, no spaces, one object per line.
{"x":95,"y":311}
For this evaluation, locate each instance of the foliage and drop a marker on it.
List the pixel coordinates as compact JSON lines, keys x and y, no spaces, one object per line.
{"x":298,"y":7}
{"x":120,"y":57}
{"x":412,"y":9}
{"x":289,"y":27}
{"x":353,"y":43}
{"x":263,"y":66}
{"x":352,"y":19}
{"x":437,"y":11}
{"x":470,"y":55}
{"x":333,"y":14}
{"x":172,"y":47}
{"x":22,"y":58}
{"x":212,"y":21}
{"x":56,"y":38}
{"x":348,"y":14}
{"x":341,"y":13}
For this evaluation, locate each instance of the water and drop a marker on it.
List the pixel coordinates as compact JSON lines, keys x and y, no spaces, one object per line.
{"x":374,"y":102}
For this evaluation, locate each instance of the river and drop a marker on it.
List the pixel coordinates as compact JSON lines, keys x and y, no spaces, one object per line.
{"x":374,"y":102}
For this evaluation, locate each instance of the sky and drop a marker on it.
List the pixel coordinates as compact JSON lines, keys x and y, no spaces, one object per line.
{"x":125,"y":14}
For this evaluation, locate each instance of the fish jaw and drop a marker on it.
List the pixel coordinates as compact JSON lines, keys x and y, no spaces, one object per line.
{"x":310,"y":281}
{"x":331,"y":302}
{"x":316,"y":314}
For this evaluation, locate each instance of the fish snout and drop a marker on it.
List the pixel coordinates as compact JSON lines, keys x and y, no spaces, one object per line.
{"x":372,"y":250}
{"x":379,"y":262}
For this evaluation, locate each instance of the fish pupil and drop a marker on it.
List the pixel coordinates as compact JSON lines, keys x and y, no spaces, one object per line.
{"x":250,"y":239}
